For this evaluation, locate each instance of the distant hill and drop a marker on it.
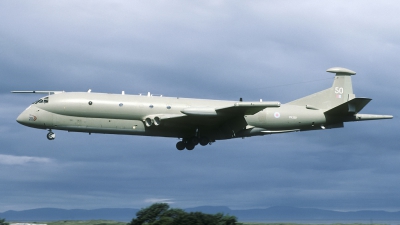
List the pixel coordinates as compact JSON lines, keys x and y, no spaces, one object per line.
{"x":276,"y":213}
{"x":286,"y":213}
{"x":53,"y":214}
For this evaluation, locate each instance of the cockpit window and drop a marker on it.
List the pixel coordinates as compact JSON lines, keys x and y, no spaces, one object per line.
{"x":44,"y":100}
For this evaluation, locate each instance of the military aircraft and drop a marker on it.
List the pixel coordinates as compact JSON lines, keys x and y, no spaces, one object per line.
{"x":195,"y":121}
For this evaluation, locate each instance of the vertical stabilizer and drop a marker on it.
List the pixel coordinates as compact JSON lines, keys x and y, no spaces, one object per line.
{"x":340,"y":92}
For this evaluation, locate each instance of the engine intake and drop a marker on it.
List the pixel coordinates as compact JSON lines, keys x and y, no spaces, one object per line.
{"x":148,"y":122}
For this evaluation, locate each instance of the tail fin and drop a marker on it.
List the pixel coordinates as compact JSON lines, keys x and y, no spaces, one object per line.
{"x":340,"y":92}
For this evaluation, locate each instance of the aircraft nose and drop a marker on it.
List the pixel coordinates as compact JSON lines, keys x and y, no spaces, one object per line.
{"x":23,"y":118}
{"x":20,"y":118}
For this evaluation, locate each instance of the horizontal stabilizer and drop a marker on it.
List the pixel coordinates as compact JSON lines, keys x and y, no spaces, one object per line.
{"x":351,"y":107}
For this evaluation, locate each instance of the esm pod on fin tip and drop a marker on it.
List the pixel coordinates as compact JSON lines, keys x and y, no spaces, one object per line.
{"x":195,"y":121}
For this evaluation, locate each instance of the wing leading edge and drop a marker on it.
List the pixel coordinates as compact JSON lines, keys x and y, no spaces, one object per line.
{"x":237,"y":109}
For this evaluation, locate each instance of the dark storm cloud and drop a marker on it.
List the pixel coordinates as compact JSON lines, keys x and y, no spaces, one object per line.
{"x":223,"y":50}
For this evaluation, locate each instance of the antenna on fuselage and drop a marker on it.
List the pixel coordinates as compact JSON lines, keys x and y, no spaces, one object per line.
{"x":90,"y":90}
{"x":39,"y":92}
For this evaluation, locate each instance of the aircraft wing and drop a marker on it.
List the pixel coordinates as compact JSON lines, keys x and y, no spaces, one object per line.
{"x":212,"y":117}
{"x":247,"y":108}
{"x":237,"y":109}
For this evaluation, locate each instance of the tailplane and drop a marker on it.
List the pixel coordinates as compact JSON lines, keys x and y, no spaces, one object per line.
{"x":339,"y":102}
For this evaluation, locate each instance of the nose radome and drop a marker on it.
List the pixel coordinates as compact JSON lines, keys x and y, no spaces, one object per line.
{"x":20,"y":118}
{"x":23,"y":118}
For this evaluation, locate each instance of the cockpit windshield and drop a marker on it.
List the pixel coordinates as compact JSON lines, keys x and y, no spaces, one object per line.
{"x":42,"y":100}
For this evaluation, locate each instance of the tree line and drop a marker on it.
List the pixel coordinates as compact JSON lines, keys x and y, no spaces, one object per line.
{"x":162,"y":214}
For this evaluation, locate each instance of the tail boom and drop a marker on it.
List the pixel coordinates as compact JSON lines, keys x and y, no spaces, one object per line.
{"x":361,"y":117}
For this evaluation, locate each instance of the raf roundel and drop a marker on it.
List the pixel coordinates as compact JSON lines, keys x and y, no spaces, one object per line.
{"x":277,"y":115}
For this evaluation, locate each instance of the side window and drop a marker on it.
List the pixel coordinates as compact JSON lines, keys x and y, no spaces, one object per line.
{"x":46,"y":100}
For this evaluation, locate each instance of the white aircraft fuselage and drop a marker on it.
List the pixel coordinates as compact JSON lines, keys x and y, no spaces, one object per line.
{"x":195,"y":120}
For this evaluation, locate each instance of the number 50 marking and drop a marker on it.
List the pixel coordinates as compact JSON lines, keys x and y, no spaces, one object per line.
{"x":339,"y":90}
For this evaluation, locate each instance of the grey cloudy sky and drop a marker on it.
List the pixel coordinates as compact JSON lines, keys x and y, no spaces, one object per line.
{"x":274,"y":50}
